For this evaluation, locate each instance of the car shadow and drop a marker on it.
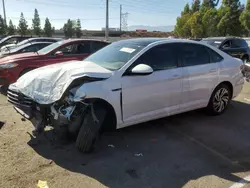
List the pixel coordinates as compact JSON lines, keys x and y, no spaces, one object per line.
{"x":168,"y":152}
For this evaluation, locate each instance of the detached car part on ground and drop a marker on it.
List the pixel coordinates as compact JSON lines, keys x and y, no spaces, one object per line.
{"x":126,"y":83}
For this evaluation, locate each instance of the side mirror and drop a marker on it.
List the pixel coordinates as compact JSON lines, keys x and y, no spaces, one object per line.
{"x":59,"y":53}
{"x":225,"y":46}
{"x":142,"y":69}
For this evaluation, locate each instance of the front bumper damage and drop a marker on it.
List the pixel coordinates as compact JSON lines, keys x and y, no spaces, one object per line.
{"x":65,"y":114}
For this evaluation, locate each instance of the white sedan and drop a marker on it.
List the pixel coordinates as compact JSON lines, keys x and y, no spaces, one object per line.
{"x":125,"y":83}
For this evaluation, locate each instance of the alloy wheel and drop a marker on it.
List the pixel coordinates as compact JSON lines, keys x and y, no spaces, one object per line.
{"x":221,"y":100}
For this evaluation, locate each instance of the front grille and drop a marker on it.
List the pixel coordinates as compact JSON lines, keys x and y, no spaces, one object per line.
{"x":19,"y":100}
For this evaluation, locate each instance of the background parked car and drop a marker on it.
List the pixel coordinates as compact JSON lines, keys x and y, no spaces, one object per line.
{"x":13,"y":39}
{"x":14,"y":66}
{"x":30,"y":40}
{"x":30,"y":47}
{"x":236,"y":47}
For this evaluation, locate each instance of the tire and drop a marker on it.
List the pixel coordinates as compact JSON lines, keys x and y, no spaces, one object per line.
{"x":90,"y":129}
{"x":219,"y":100}
{"x":245,"y":59}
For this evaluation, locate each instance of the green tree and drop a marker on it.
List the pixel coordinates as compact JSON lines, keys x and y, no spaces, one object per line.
{"x":182,"y":28}
{"x":209,"y":21}
{"x":195,"y":6}
{"x":195,"y":23}
{"x":23,"y":26}
{"x":48,"y":30}
{"x":11,"y":30}
{"x":245,"y":17}
{"x":229,"y":14}
{"x":36,"y":24}
{"x":68,"y":29}
{"x":2,"y":26}
{"x":78,"y":29}
{"x":186,"y":9}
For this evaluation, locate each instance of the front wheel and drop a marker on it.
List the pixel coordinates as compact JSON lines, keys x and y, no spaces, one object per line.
{"x":90,"y":129}
{"x":219,"y":100}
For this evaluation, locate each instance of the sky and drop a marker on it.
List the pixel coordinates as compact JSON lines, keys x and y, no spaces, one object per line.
{"x":92,"y":12}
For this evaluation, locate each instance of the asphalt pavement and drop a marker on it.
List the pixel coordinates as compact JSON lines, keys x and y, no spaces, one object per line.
{"x":186,"y":150}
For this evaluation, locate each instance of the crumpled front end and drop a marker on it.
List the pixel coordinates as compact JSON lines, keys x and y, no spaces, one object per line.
{"x":64,"y":114}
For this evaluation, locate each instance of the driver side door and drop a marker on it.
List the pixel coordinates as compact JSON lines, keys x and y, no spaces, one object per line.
{"x":147,"y":97}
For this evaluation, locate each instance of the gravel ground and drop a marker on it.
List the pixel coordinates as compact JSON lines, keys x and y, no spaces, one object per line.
{"x":187,"y":150}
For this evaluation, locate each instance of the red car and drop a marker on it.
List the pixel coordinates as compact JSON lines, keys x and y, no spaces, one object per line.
{"x":14,"y":66}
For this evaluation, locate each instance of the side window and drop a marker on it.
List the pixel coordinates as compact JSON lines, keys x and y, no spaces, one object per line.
{"x":97,"y":46}
{"x":236,"y":43}
{"x":68,"y":49}
{"x":214,"y":56}
{"x":227,"y":44}
{"x":161,"y":57}
{"x":83,"y":48}
{"x":32,"y":48}
{"x":243,"y":43}
{"x":194,"y":54}
{"x":40,"y":46}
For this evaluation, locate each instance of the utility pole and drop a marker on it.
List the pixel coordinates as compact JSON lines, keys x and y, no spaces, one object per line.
{"x":4,"y":13}
{"x":120,"y":18}
{"x":107,"y":20}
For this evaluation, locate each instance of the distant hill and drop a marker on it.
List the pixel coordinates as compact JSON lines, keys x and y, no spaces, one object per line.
{"x":167,"y":28}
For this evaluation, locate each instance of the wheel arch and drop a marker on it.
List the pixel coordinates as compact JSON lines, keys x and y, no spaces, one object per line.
{"x":228,"y":83}
{"x":110,"y":121}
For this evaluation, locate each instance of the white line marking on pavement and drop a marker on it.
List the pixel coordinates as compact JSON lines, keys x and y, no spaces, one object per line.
{"x":242,"y":182}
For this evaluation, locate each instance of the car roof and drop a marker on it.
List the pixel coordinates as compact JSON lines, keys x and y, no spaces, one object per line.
{"x":73,"y":40}
{"x":148,"y":41}
{"x":220,"y":38}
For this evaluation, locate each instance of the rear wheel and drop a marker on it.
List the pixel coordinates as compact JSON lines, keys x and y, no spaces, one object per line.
{"x":90,"y":129}
{"x":245,"y":59}
{"x":219,"y":100}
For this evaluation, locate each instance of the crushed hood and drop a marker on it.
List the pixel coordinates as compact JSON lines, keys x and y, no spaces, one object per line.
{"x":47,"y":84}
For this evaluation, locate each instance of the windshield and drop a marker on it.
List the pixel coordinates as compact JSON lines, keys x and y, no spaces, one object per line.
{"x":115,"y":55}
{"x":49,"y":48}
{"x":215,"y":43}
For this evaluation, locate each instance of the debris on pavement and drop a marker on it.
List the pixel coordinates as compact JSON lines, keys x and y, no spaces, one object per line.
{"x":2,"y":124}
{"x":246,"y":99}
{"x":23,"y":119}
{"x":42,"y":184}
{"x":111,"y":146}
{"x":139,"y":155}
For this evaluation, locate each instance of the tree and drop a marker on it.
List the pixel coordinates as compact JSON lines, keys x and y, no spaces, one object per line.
{"x":186,"y":9}
{"x":11,"y":30}
{"x":182,"y":28}
{"x":78,"y":29}
{"x":68,"y":29}
{"x":36,"y":24}
{"x":229,"y":14}
{"x":48,"y":30}
{"x":195,"y":23}
{"x":209,"y":21}
{"x":2,"y":26}
{"x":195,"y":6}
{"x":245,"y":17}
{"x":23,"y":26}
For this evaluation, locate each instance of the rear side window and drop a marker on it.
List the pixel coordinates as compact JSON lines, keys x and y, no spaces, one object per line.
{"x":97,"y":46}
{"x":214,"y":56}
{"x":194,"y":54}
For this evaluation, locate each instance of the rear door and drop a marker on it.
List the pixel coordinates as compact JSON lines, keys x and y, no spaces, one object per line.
{"x":200,"y":75}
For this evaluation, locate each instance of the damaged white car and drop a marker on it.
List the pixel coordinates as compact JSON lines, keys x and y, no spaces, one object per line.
{"x":125,"y":83}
